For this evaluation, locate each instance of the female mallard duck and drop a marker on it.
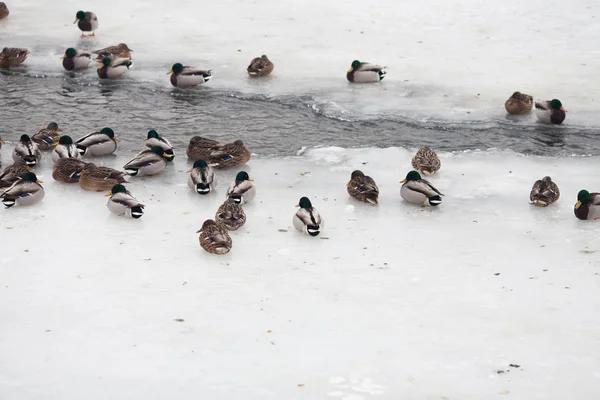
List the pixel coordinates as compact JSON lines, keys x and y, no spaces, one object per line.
{"x":218,"y":155}
{"x":123,"y":204}
{"x":260,"y":66}
{"x":112,"y":69}
{"x":27,"y":150}
{"x":25,"y":191}
{"x":3,"y":10}
{"x":364,"y":72}
{"x":154,"y":139}
{"x":202,"y":178}
{"x":86,"y":22}
{"x":76,"y":59}
{"x":242,"y":190}
{"x":550,"y":112}
{"x":147,"y":162}
{"x":519,"y":103}
{"x":214,"y":238}
{"x":201,"y":148}
{"x":188,"y":77}
{"x":426,"y":161}
{"x":14,"y":172}
{"x":65,"y":149}
{"x":307,"y":219}
{"x":419,"y":191}
{"x":231,"y":215}
{"x":363,"y":187}
{"x":98,"y":143}
{"x":588,"y":205}
{"x":68,"y":170}
{"x":544,"y":192}
{"x":100,"y":179}
{"x":48,"y":137}
{"x":119,"y":51}
{"x":13,"y":56}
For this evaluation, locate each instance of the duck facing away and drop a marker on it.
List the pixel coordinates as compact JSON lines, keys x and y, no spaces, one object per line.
{"x":307,"y":219}
{"x":13,"y":56}
{"x":68,"y":170}
{"x":202,"y":178}
{"x":25,"y":192}
{"x":100,"y":179}
{"x":98,"y":143}
{"x":214,"y":238}
{"x":65,"y":149}
{"x":48,"y":137}
{"x":416,"y":190}
{"x":14,"y":172}
{"x":544,"y":192}
{"x":242,"y":190}
{"x":76,"y":59}
{"x":426,"y":161}
{"x":148,"y":162}
{"x":86,"y":22}
{"x":188,"y":77}
{"x":363,"y":188}
{"x":27,"y":150}
{"x":123,"y":203}
{"x":154,"y":139}
{"x":518,"y":103}
{"x":113,"y":68}
{"x":588,"y":205}
{"x":119,"y":51}
{"x":3,"y":10}
{"x":364,"y":72}
{"x":550,"y":112}
{"x":231,"y":215}
{"x":260,"y":66}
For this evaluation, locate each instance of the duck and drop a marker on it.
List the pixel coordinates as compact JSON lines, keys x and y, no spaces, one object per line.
{"x":426,"y":161}
{"x":123,"y":203}
{"x":188,"y":77}
{"x":147,"y":162}
{"x":201,"y":178}
{"x":3,"y":10}
{"x":48,"y":137}
{"x":154,"y":139}
{"x":519,"y":103}
{"x":214,"y":238}
{"x":242,"y":190}
{"x":260,"y":66}
{"x":544,"y":192}
{"x":65,"y":149}
{"x":119,"y":51}
{"x":100,"y":179}
{"x":14,"y":172}
{"x":25,"y":192}
{"x":86,"y":21}
{"x":307,"y":219}
{"x":218,"y":155}
{"x":98,"y":143}
{"x":416,"y":190}
{"x":27,"y":150}
{"x":113,"y":68}
{"x":13,"y":56}
{"x":364,"y":72}
{"x":76,"y":59}
{"x":587,"y":206}
{"x":231,"y":215}
{"x":550,"y":112}
{"x":363,"y":188}
{"x":68,"y":170}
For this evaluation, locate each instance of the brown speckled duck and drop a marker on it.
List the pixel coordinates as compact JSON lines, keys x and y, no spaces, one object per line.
{"x":100,"y":179}
{"x":119,"y":51}
{"x":13,"y":56}
{"x":519,"y":103}
{"x":214,"y":238}
{"x":260,"y":66}
{"x":48,"y":137}
{"x":363,"y":187}
{"x":544,"y":192}
{"x":3,"y":10}
{"x":426,"y":161}
{"x":68,"y":170}
{"x":231,"y":215}
{"x":216,"y":154}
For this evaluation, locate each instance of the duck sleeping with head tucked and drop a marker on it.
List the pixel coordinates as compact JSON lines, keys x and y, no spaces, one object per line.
{"x":214,"y":238}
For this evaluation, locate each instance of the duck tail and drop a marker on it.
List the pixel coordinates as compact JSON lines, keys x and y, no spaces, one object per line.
{"x":435,"y":200}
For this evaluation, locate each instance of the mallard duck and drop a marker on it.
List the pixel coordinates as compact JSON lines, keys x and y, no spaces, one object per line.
{"x":68,"y":170}
{"x":519,"y":103}
{"x":231,"y":215}
{"x":112,"y":69}
{"x":419,"y":191}
{"x":14,"y":172}
{"x":544,"y":192}
{"x":242,"y":190}
{"x":202,"y":178}
{"x":364,"y":72}
{"x":25,"y":191}
{"x":218,"y":155}
{"x":550,"y":111}
{"x":307,"y":219}
{"x":362,"y":187}
{"x":98,"y":143}
{"x":154,"y":139}
{"x":426,"y":161}
{"x":3,"y":10}
{"x":13,"y":56}
{"x":76,"y":59}
{"x":588,"y":205}
{"x":260,"y":66}
{"x":214,"y":238}
{"x":86,"y":22}
{"x":48,"y":137}
{"x":27,"y":150}
{"x":65,"y":149}
{"x":147,"y":162}
{"x":188,"y":77}
{"x":99,"y":179}
{"x":119,"y":51}
{"x":123,"y":204}
{"x":201,"y":148}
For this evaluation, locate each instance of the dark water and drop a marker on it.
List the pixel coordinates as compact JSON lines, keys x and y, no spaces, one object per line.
{"x":269,"y":125}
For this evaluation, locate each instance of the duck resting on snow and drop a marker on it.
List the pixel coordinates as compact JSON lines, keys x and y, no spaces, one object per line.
{"x":364,"y":72}
{"x":416,"y":190}
{"x":426,"y":161}
{"x":214,"y":238}
{"x":307,"y":219}
{"x":202,"y":178}
{"x":544,"y":192}
{"x":123,"y":203}
{"x":588,"y":205}
{"x":362,"y":187}
{"x":188,"y":77}
{"x":242,"y":190}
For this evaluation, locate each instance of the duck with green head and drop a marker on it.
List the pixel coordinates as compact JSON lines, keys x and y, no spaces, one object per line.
{"x":113,"y":68}
{"x":201,"y":178}
{"x":242,"y":190}
{"x":188,"y":77}
{"x":65,"y":149}
{"x":154,"y":139}
{"x":148,"y":162}
{"x":364,"y":72}
{"x":86,"y":22}
{"x":588,"y":205}
{"x":416,"y":190}
{"x":214,"y":238}
{"x":550,"y":112}
{"x":25,"y":192}
{"x":74,"y":60}
{"x":98,"y":143}
{"x":307,"y":219}
{"x":123,"y":203}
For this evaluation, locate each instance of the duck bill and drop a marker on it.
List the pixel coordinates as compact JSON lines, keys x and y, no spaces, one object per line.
{"x":351,"y":69}
{"x":297,"y":205}
{"x":116,"y":139}
{"x":577,"y":205}
{"x":108,"y":194}
{"x":39,"y":181}
{"x":403,"y":181}
{"x":170,"y":72}
{"x":63,"y":57}
{"x":76,"y":19}
{"x":189,"y":170}
{"x":563,"y":109}
{"x":251,"y":180}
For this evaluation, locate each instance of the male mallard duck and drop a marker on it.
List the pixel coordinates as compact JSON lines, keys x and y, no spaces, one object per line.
{"x":25,"y":191}
{"x":588,"y":205}
{"x":260,"y":66}
{"x":76,"y":59}
{"x":86,"y":22}
{"x":202,"y":178}
{"x":48,"y":137}
{"x":218,"y":155}
{"x":426,"y":161}
{"x":13,"y":56}
{"x":362,"y":187}
{"x":519,"y":103}
{"x":123,"y":204}
{"x":307,"y":219}
{"x":27,"y":150}
{"x":65,"y":149}
{"x":188,"y":77}
{"x":99,"y":179}
{"x":364,"y":72}
{"x":154,"y":139}
{"x":550,"y":111}
{"x":14,"y":172}
{"x":147,"y":162}
{"x":242,"y":190}
{"x":112,"y":69}
{"x":231,"y":215}
{"x":98,"y":143}
{"x":119,"y":51}
{"x":68,"y":170}
{"x":544,"y":192}
{"x":419,"y":191}
{"x":214,"y":238}
{"x":3,"y":10}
